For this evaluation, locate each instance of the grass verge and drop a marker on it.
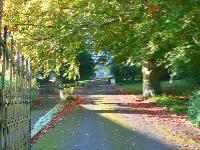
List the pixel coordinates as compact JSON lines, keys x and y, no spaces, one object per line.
{"x":175,"y":96}
{"x":176,"y":87}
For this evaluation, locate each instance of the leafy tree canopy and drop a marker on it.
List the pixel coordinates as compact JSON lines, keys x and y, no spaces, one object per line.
{"x":166,"y":32}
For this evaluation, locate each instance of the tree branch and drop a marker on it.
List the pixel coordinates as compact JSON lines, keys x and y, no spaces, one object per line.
{"x":30,"y":24}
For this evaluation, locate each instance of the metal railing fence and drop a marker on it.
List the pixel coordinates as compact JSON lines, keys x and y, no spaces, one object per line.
{"x":15,"y":96}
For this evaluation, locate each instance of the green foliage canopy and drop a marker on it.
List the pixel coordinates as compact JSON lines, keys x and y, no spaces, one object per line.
{"x":166,"y":32}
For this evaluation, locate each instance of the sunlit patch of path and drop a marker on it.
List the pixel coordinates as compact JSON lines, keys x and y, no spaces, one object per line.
{"x":97,"y":125}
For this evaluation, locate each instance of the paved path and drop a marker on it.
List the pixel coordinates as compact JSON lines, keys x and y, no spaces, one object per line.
{"x":103,"y":124}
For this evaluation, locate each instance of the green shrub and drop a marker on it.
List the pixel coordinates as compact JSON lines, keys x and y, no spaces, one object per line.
{"x":194,"y":108}
{"x":34,"y":88}
{"x":69,"y":90}
{"x":70,"y":98}
{"x":34,"y":94}
{"x":66,"y":94}
{"x":168,"y":101}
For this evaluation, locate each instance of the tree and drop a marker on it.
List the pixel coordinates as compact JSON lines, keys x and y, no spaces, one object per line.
{"x":49,"y":30}
{"x":150,"y":33}
{"x":123,"y":73}
{"x":1,"y":13}
{"x":87,"y":65}
{"x":146,"y":32}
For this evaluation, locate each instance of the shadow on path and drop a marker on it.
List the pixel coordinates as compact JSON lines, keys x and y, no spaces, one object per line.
{"x":97,"y":126}
{"x":87,"y":130}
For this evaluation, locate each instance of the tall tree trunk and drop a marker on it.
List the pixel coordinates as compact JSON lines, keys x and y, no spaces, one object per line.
{"x":151,"y":79}
{"x":1,"y":14}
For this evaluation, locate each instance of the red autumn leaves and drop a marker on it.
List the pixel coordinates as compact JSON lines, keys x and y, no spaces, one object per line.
{"x":177,"y":124}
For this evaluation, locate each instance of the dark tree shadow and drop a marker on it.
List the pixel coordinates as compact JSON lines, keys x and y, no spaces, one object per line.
{"x":91,"y":131}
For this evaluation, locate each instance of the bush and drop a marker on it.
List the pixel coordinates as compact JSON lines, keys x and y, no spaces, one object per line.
{"x":66,"y":94}
{"x":34,"y":88}
{"x":194,"y":108}
{"x":69,"y":90}
{"x":168,"y":101}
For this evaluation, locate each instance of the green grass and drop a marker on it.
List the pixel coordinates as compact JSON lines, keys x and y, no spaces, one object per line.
{"x":171,"y":104}
{"x":177,"y":87}
{"x":175,"y":94}
{"x":133,"y":88}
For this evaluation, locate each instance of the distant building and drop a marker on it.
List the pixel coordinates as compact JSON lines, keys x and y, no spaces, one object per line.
{"x":101,"y":71}
{"x":52,"y":77}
